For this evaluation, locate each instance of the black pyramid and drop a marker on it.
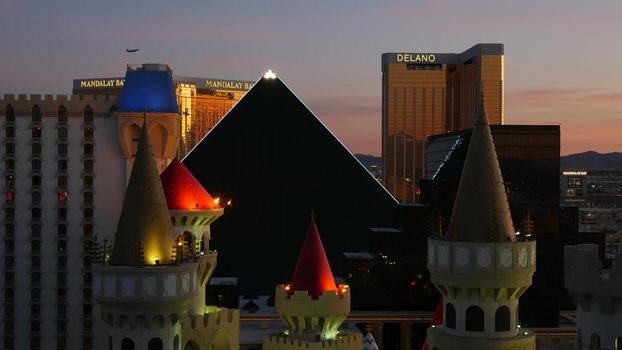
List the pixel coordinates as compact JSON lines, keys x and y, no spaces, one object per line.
{"x":278,"y":163}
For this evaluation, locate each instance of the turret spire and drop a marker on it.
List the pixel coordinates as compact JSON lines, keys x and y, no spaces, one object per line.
{"x":144,"y":223}
{"x":481,"y":211}
{"x":312,"y":272}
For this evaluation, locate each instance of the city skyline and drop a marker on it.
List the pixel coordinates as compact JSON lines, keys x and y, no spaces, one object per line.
{"x":560,"y":64}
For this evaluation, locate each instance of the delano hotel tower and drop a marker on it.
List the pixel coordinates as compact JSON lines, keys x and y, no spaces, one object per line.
{"x":431,"y":93}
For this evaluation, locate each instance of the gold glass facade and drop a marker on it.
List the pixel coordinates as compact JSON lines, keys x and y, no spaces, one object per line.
{"x":425,"y":94}
{"x":200,"y":110}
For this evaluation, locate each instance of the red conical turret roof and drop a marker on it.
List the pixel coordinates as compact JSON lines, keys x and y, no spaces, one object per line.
{"x":313,"y":272}
{"x":183,"y":191}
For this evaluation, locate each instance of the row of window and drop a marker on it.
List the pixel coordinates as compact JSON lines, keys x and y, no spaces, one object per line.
{"x":474,"y":318}
{"x":36,"y":114}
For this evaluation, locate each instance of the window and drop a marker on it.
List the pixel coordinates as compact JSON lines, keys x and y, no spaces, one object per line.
{"x":35,"y":213}
{"x":61,"y":261}
{"x":87,"y":230}
{"x":88,"y":133}
{"x":155,"y":344}
{"x":35,"y":246}
{"x":10,"y":113}
{"x":36,"y":132}
{"x":9,"y":164}
{"x":35,"y":326}
{"x":88,"y":181}
{"x":61,"y":230}
{"x":35,"y":261}
{"x":595,"y":342}
{"x":62,"y":114}
{"x":62,"y":165}
{"x":88,"y":213}
{"x":62,"y":196}
{"x":62,"y":148}
{"x":62,"y":181}
{"x":9,"y":148}
{"x":9,"y":181}
{"x":9,"y":196}
{"x":35,"y":197}
{"x":62,"y":133}
{"x":127,"y":344}
{"x":35,"y":278}
{"x":450,"y":316}
{"x":88,"y":165}
{"x":9,"y":131}
{"x":88,"y":197}
{"x":61,"y":213}
{"x":474,"y":319}
{"x":88,"y":149}
{"x":36,"y":180}
{"x":9,"y":294}
{"x":36,"y":114}
{"x":36,"y":148}
{"x":88,"y":114}
{"x":502,"y":319}
{"x":36,"y":164}
{"x":35,"y":229}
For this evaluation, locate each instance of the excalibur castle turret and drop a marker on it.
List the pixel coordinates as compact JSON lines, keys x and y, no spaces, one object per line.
{"x":479,"y":266}
{"x":151,"y":292}
{"x":312,"y":306}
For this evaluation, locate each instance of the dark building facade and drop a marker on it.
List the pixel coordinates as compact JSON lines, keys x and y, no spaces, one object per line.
{"x":426,"y":94}
{"x":277,"y":162}
{"x":529,"y":160}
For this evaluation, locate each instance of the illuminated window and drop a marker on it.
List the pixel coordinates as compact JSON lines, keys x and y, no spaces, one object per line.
{"x":36,"y":132}
{"x":62,"y":196}
{"x":9,"y":196}
{"x":88,"y":133}
{"x":9,"y":181}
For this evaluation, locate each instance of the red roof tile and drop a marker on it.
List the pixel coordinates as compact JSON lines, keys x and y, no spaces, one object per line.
{"x":312,"y":272}
{"x":183,"y":191}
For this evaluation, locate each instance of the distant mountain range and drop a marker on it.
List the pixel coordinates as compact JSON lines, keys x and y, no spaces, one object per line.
{"x":368,"y":160}
{"x":589,"y":160}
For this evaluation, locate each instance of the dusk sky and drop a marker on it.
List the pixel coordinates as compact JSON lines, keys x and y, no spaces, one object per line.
{"x":562,"y":58}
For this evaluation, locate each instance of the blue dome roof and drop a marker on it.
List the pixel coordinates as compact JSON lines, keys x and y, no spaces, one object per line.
{"x":153,"y":91}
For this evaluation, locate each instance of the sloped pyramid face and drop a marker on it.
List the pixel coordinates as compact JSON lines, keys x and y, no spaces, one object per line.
{"x":278,"y":162}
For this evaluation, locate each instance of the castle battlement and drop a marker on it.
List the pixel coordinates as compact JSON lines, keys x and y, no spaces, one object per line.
{"x":344,"y":340}
{"x":49,"y":104}
{"x":587,"y":280}
{"x":211,"y":320}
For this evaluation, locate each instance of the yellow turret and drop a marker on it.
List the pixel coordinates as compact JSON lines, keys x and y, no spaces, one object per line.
{"x":312,"y":306}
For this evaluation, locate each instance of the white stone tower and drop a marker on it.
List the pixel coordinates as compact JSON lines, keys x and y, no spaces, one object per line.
{"x":598,"y":294}
{"x":479,"y":266}
{"x":148,"y":288}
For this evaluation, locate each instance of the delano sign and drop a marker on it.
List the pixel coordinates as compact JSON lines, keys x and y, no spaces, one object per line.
{"x":419,"y":57}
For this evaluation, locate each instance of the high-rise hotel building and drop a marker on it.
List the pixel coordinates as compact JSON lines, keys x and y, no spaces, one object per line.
{"x":65,"y":162}
{"x":425,"y":94}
